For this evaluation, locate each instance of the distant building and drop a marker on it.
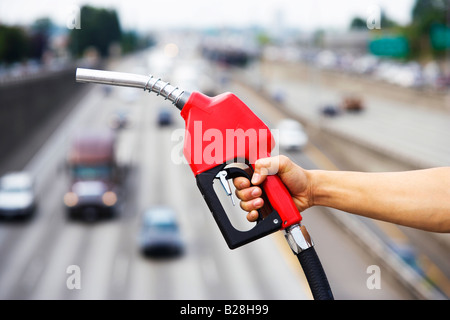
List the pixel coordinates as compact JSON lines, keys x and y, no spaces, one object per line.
{"x":352,"y":41}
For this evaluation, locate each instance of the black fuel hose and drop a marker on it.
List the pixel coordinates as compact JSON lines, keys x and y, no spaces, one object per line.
{"x":317,"y":279}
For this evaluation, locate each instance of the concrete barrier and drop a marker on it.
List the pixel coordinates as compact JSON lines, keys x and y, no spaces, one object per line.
{"x":26,"y":102}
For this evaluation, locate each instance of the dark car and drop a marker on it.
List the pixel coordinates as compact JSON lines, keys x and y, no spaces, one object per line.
{"x":160,"y":234}
{"x":17,"y":197}
{"x":352,"y":104}
{"x":164,"y":117}
{"x":330,"y":110}
{"x":119,"y":120}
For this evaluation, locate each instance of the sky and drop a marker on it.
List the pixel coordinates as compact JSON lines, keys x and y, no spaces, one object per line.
{"x":162,"y":14}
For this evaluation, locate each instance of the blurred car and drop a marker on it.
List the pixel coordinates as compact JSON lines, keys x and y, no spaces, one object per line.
{"x":291,"y":136}
{"x":352,"y":104}
{"x":330,"y":110}
{"x":164,"y":117}
{"x":160,"y":234}
{"x":118,"y":120}
{"x":326,"y":59}
{"x":442,"y":82}
{"x":366,"y":64}
{"x":17,"y":197}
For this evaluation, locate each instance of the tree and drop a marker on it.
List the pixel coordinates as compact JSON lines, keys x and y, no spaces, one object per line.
{"x":427,"y":12}
{"x":39,"y":37}
{"x":13,"y":44}
{"x":425,"y":15}
{"x":100,"y":29}
{"x":358,"y":23}
{"x":130,"y":41}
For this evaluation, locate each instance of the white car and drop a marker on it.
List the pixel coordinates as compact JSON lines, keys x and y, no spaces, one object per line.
{"x":291,"y":136}
{"x":160,"y":234}
{"x":17,"y":198}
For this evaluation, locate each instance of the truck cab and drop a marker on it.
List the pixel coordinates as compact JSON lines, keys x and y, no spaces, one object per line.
{"x":93,"y":175}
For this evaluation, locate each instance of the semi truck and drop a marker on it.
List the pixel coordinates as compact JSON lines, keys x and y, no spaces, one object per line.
{"x":94,"y":176}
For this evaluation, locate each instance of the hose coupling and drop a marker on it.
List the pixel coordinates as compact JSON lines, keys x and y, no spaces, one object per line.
{"x":298,"y":238}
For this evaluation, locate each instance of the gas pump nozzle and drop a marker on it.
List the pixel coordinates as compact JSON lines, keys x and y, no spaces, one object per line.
{"x":174,"y":94}
{"x":228,"y":115}
{"x":224,"y":113}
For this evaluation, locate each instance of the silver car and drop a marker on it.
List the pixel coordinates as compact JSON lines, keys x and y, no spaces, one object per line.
{"x":291,"y":136}
{"x":17,"y":197}
{"x":160,"y":234}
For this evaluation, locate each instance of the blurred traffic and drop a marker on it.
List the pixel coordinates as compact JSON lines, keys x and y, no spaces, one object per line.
{"x":160,"y":235}
{"x":17,"y":196}
{"x":94,"y":174}
{"x":291,"y":135}
{"x":94,"y":166}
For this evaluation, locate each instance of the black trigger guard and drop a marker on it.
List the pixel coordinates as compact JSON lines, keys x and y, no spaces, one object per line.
{"x":233,"y":237}
{"x":235,"y":172}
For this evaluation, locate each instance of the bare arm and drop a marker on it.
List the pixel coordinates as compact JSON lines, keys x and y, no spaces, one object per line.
{"x":418,"y":199}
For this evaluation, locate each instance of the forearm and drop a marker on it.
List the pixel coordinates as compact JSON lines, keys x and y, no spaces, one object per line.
{"x":419,"y":199}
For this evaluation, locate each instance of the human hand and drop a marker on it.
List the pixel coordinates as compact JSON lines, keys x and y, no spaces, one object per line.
{"x":296,"y":179}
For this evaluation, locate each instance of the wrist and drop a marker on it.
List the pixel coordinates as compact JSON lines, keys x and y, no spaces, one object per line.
{"x":313,"y":180}
{"x":337,"y":189}
{"x":319,"y":187}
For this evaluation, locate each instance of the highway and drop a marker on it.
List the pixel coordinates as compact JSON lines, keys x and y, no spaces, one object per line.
{"x":37,"y":255}
{"x":399,"y":129}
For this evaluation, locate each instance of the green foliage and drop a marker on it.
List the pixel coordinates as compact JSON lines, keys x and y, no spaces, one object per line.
{"x":14,"y":44}
{"x":129,"y":41}
{"x":99,"y":29}
{"x":426,"y":14}
{"x":424,"y":38}
{"x":17,"y":45}
{"x":358,"y":23}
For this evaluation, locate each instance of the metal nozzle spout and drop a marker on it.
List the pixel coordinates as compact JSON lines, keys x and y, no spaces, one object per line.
{"x":150,"y":83}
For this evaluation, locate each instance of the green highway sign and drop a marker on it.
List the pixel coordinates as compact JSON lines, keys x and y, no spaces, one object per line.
{"x":440,"y":37}
{"x":397,"y":47}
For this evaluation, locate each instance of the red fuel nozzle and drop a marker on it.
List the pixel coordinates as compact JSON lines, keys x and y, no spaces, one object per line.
{"x":219,"y":131}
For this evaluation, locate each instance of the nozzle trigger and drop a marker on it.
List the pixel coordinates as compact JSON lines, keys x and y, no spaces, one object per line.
{"x":234,"y":237}
{"x":222,"y":176}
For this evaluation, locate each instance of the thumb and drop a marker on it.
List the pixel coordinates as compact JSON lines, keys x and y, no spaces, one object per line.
{"x":265,"y":167}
